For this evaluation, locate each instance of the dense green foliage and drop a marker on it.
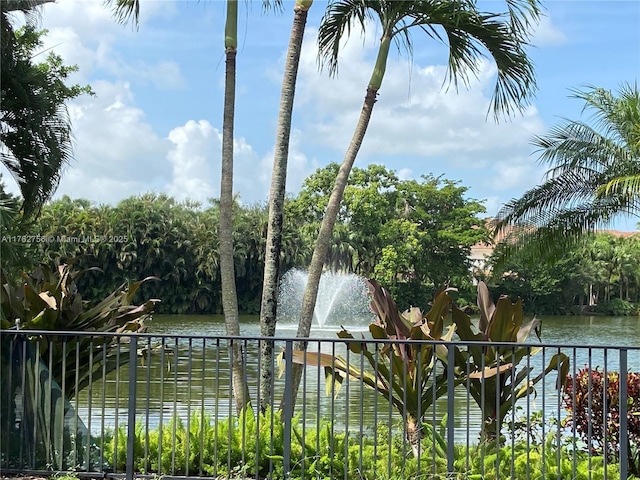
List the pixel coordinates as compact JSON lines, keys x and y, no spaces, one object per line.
{"x":600,"y":275}
{"x":407,"y":234}
{"x":154,"y":235}
{"x":407,"y":376}
{"x":249,"y":446}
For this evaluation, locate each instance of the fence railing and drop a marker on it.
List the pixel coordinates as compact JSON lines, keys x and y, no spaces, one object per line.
{"x":121,"y":405}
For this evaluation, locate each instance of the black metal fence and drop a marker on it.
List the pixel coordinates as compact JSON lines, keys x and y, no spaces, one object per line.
{"x":119,"y":405}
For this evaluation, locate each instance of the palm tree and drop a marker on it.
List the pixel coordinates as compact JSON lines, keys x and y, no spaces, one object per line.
{"x":268,"y":309}
{"x":594,"y":176}
{"x":225,"y":227}
{"x":35,"y":129}
{"x":469,"y":32}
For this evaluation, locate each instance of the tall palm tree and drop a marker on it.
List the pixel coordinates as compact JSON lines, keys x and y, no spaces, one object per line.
{"x":35,"y":129}
{"x":471,"y":35}
{"x":225,"y":226}
{"x":594,"y":176}
{"x":268,"y":309}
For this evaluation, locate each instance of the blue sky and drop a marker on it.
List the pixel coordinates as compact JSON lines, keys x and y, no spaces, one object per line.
{"x":155,"y":122}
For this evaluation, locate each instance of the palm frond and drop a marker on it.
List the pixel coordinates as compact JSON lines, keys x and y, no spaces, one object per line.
{"x":35,"y":128}
{"x":125,"y":10}
{"x":338,"y":20}
{"x":577,"y":145}
{"x":275,"y":5}
{"x":624,"y":186}
{"x":617,"y":117}
{"x":594,"y":176}
{"x":561,"y":229}
{"x":471,"y":35}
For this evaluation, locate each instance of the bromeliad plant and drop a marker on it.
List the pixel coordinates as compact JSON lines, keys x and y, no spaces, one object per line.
{"x":61,"y":364}
{"x":48,"y":299}
{"x":494,"y":380}
{"x":406,"y":374}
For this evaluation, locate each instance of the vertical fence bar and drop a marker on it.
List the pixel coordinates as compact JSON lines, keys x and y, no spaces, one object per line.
{"x":318,"y":398}
{"x":188,"y":420}
{"x":433,"y":419}
{"x":544,"y":417}
{"x":589,"y":404}
{"x":450,"y":410}
{"x":116,"y":415}
{"x":36,"y":393}
{"x":202,"y":395}
{"x":623,"y":435}
{"x":49,"y":403}
{"x":64,"y":393}
{"x":174,"y":418}
{"x":131,"y":413}
{"x":261,"y":344}
{"x":559,"y":424}
{"x":346,"y":419}
{"x":163,"y":347}
{"x":148,"y":404}
{"x":288,"y":407}
{"x":304,"y":415}
{"x":87,"y":440}
{"x":574,"y":431}
{"x":605,"y":409}
{"x":528,"y":413}
{"x":103,"y":400}
{"x":23,"y":394}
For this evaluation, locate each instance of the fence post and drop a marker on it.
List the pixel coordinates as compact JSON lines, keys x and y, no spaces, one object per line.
{"x":287,"y":411}
{"x":131,"y":413}
{"x":623,"y":433}
{"x":450,"y":410}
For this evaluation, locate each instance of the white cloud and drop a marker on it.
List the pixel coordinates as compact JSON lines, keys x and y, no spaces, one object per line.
{"x":405,"y":174}
{"x":85,"y":33}
{"x":195,"y":160}
{"x":546,"y":34}
{"x":117,"y":153}
{"x":193,"y":172}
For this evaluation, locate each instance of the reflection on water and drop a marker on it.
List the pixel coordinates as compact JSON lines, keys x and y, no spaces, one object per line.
{"x":189,"y":375}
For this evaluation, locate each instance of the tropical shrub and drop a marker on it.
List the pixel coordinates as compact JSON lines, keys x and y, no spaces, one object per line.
{"x":413,"y":375}
{"x":404,"y":374}
{"x":617,"y":307}
{"x":494,"y":381}
{"x":237,"y":448}
{"x":594,"y":413}
{"x":48,"y":299}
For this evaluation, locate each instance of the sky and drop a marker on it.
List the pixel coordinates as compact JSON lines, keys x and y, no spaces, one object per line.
{"x":155,"y":122}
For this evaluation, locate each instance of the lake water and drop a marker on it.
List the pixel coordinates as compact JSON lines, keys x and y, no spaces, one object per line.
{"x":185,"y":376}
{"x":572,"y":330}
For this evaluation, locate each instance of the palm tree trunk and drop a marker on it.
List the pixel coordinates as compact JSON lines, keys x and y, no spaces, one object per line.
{"x":326,"y":229}
{"x":331,"y":214}
{"x":414,"y":435}
{"x":268,"y":308}
{"x":227,"y":271}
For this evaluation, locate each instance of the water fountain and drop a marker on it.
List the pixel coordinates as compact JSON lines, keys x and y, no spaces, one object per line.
{"x":343,"y":299}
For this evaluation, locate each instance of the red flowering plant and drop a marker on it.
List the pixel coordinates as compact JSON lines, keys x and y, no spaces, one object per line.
{"x":594,"y":413}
